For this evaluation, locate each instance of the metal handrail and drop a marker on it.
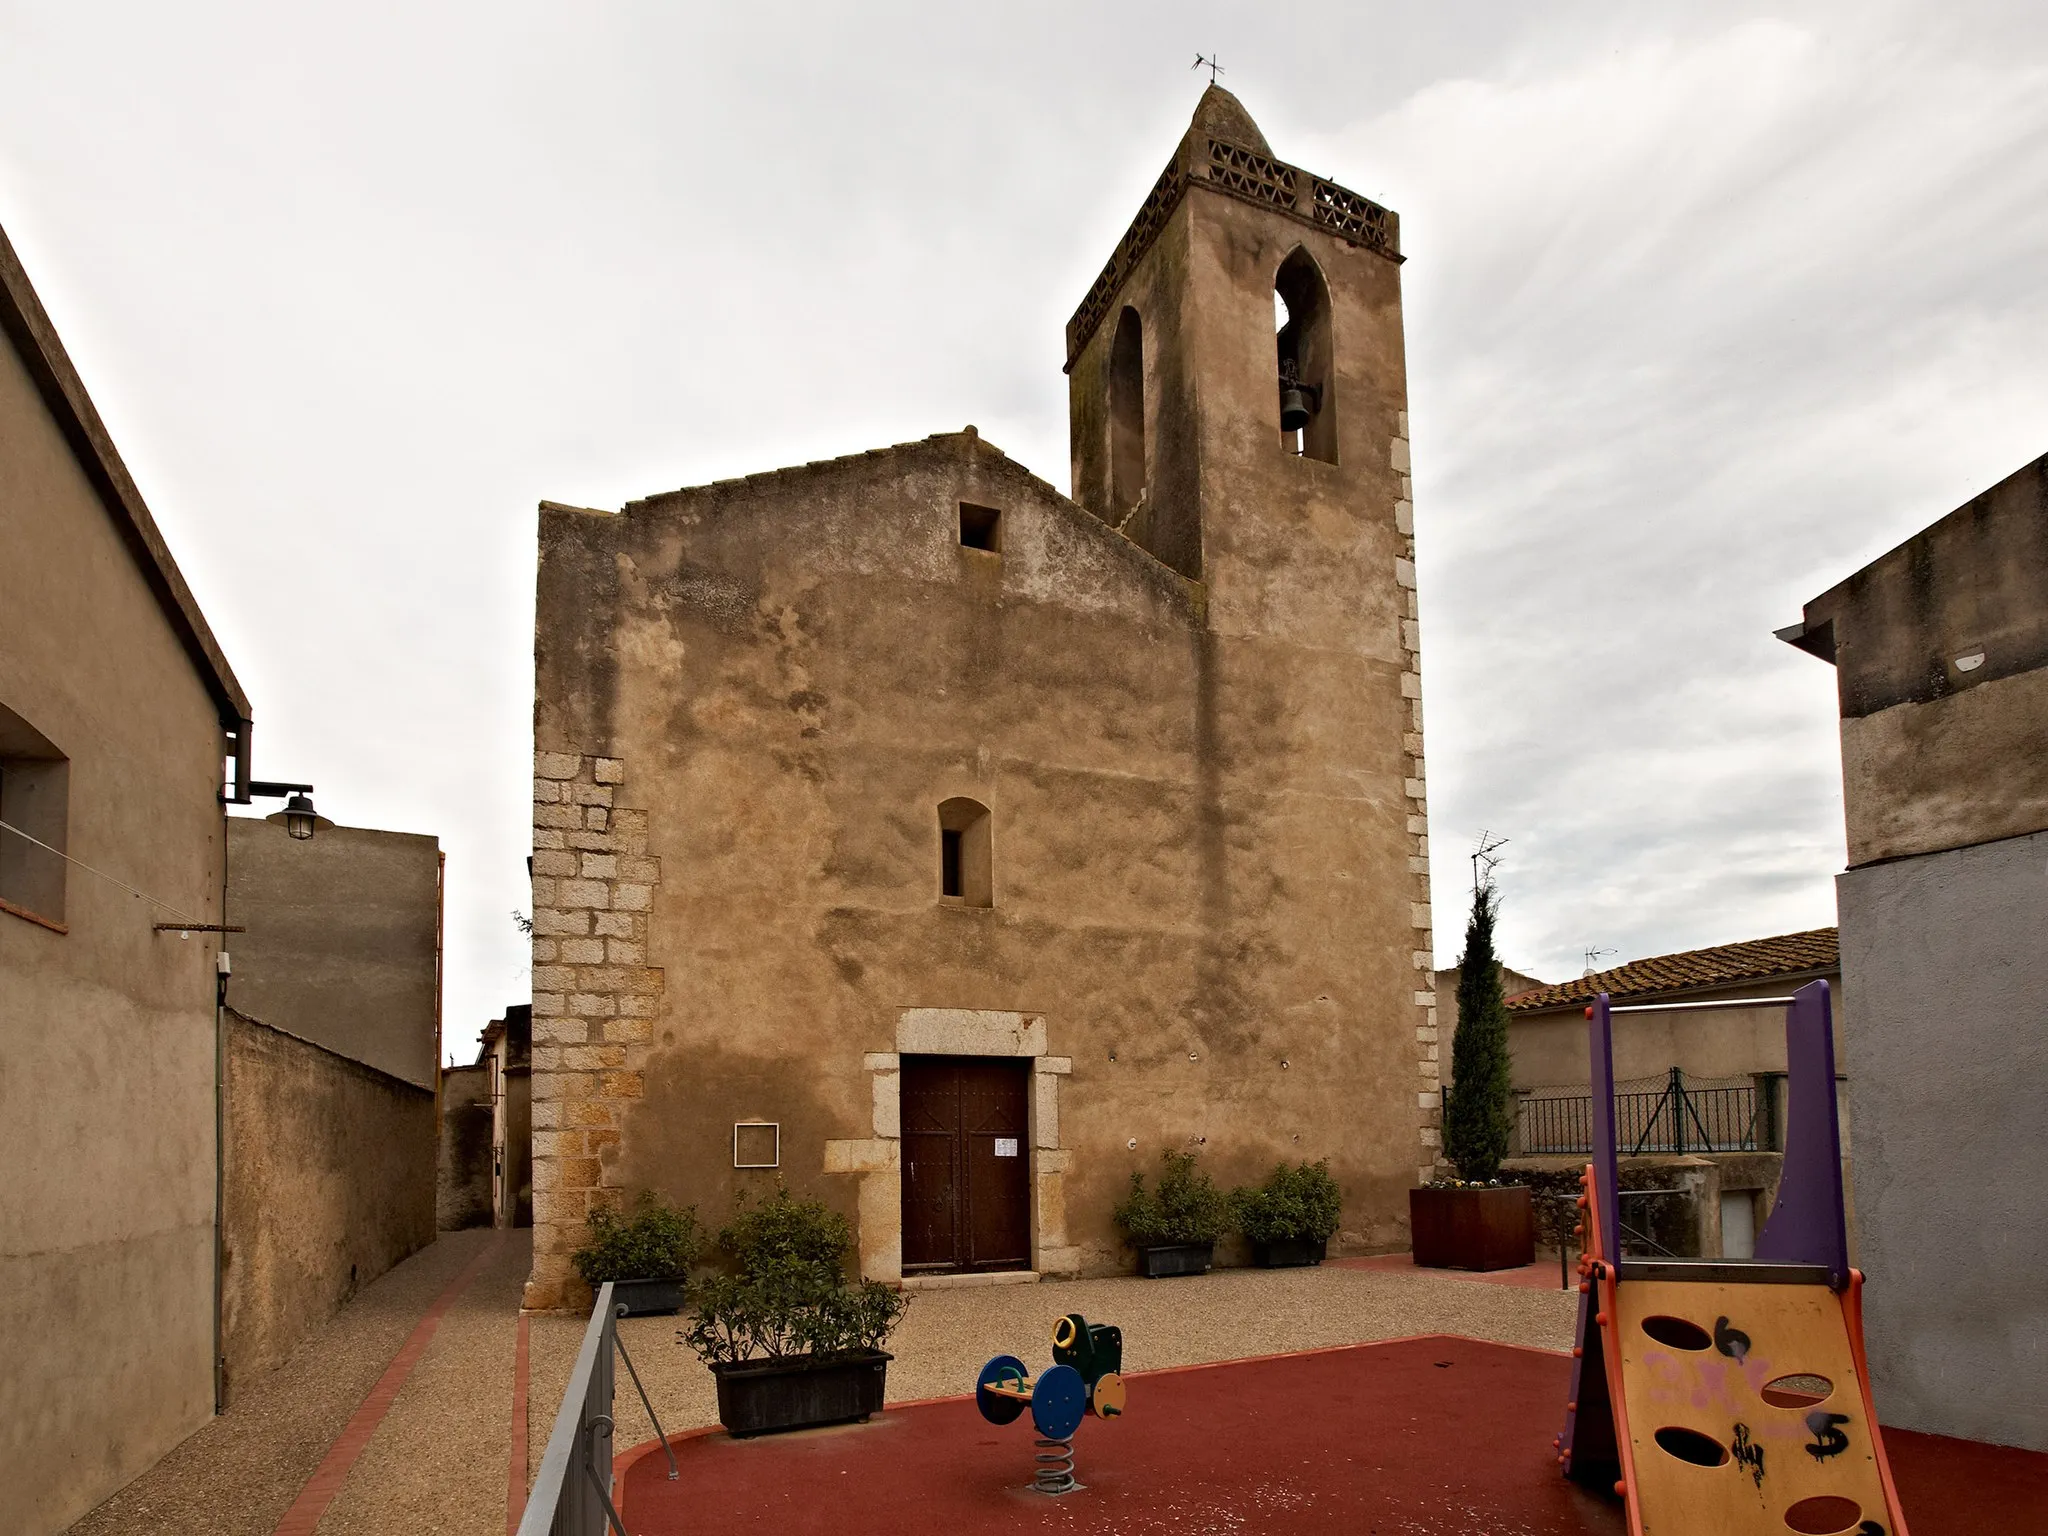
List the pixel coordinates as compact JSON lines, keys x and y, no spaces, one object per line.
{"x":570,"y":1497}
{"x":572,"y":1492}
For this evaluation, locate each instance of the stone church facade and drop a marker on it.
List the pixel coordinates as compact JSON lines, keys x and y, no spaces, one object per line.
{"x":948,"y":847}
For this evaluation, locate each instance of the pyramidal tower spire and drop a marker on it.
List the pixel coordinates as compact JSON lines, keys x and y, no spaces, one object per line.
{"x":1220,"y":115}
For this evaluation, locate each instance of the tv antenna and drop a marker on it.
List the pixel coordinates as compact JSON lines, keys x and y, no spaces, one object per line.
{"x":1214,"y":68}
{"x":1594,"y":955}
{"x":1484,"y":852}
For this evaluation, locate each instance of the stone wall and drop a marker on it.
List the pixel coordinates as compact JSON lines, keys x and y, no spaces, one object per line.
{"x":594,"y":998}
{"x":330,"y":1182}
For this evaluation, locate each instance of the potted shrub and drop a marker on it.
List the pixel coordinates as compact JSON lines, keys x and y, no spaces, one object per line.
{"x":1289,"y":1219}
{"x":1174,"y":1229}
{"x":1474,"y":1221}
{"x":646,"y":1255}
{"x":790,"y":1341}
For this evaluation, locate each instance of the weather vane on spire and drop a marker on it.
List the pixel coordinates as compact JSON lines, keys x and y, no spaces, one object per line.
{"x":1214,"y":68}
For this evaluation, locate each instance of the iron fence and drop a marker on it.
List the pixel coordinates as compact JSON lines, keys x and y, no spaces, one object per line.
{"x":572,"y":1493}
{"x":1667,"y":1114}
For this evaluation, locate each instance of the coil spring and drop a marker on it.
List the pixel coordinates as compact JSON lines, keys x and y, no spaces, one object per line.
{"x":1055,"y":1460}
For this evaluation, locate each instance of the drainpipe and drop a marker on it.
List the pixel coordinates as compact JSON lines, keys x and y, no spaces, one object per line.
{"x":243,"y":733}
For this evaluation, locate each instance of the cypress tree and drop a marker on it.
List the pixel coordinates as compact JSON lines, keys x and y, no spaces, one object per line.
{"x":1481,"y":1117}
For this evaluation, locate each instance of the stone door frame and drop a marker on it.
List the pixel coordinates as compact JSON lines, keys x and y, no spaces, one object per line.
{"x":878,"y":1160}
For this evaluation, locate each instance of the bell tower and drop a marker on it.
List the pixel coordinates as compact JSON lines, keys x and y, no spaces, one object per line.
{"x":1239,"y":361}
{"x":1238,"y":408}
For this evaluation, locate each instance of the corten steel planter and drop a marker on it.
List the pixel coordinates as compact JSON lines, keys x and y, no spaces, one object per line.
{"x":648,"y":1298}
{"x":1289,"y":1252}
{"x":1472,"y":1228}
{"x":762,"y":1397}
{"x":1158,"y":1260}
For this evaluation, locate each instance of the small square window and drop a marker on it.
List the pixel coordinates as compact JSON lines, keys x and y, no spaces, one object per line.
{"x":756,"y":1144}
{"x":35,"y":783}
{"x":981,"y":528}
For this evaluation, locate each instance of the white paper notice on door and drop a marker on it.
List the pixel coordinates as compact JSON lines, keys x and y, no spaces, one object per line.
{"x":1006,"y":1146}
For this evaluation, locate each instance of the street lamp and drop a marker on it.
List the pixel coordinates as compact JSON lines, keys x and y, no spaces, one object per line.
{"x":299,"y":815}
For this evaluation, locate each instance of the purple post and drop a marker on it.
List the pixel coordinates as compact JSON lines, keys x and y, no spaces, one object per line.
{"x":1808,"y":1223}
{"x":1606,"y":1171}
{"x":1587,"y":1444}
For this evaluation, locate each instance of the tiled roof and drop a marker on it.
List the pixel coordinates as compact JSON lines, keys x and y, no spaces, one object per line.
{"x":1724,"y":965}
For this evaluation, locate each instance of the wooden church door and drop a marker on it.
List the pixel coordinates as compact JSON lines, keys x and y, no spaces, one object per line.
{"x":966,"y":1163}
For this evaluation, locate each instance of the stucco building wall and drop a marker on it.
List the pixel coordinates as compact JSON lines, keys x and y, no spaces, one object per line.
{"x":463,"y":1188}
{"x":1199,"y":740}
{"x":343,"y":940}
{"x":107,"y":1027}
{"x":1549,"y":1048}
{"x":1947,"y":972}
{"x":324,"y":1189}
{"x":1940,"y":648}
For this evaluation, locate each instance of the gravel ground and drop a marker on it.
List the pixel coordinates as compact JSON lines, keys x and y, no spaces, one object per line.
{"x":241,"y":1471}
{"x":438,"y":1462}
{"x":948,"y":1334}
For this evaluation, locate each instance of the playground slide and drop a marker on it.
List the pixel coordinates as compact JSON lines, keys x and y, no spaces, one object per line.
{"x":1732,"y":1398}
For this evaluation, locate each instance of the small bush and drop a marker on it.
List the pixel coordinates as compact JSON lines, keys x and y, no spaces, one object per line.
{"x":656,"y":1242}
{"x":784,"y":1227}
{"x":1298,"y":1203}
{"x":1187,"y":1207}
{"x":787,"y":1294}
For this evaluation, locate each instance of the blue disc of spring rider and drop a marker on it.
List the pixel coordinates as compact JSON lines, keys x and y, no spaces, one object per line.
{"x":994,"y":1408}
{"x":1058,"y":1402}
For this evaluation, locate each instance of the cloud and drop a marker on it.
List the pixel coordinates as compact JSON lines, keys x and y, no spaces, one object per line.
{"x":1702,"y":314}
{"x":1694,"y":332}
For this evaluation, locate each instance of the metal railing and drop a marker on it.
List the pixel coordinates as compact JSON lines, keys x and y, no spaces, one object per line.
{"x":572,"y":1492}
{"x":1650,"y":1115}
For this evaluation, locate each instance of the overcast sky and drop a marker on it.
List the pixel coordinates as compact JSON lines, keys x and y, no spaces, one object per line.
{"x":1707,"y":305}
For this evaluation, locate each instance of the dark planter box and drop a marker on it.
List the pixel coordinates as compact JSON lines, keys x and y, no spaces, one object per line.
{"x":760,"y":1397}
{"x":1159,"y":1260}
{"x":1472,"y":1228}
{"x":1289,"y":1252}
{"x":648,"y":1298}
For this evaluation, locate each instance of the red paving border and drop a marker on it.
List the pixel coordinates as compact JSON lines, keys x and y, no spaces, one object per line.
{"x":515,"y":1475}
{"x":320,"y":1489}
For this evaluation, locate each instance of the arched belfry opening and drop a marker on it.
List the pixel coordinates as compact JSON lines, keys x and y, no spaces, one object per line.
{"x":1127,"y":413}
{"x":1307,"y":403}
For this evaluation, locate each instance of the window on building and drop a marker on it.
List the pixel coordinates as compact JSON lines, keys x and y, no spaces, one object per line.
{"x":1301,"y":313}
{"x":981,"y":528}
{"x":966,"y":873}
{"x":1127,"y":412}
{"x":35,"y":783}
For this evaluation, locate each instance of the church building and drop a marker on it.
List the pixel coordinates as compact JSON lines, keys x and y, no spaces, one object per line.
{"x":948,"y":847}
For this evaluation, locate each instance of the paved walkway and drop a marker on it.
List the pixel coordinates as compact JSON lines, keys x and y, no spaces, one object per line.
{"x":435,"y":1461}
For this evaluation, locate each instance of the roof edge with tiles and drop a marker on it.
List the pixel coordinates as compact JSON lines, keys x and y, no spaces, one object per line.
{"x":1814,"y":952}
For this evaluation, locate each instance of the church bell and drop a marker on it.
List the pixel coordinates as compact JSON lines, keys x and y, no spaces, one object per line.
{"x":1298,"y":401}
{"x":1294,"y":408}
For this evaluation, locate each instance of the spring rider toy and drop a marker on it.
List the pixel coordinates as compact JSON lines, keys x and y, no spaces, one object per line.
{"x":1083,"y":1379}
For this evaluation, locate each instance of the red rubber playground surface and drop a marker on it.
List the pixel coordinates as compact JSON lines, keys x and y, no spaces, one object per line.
{"x":1416,"y":1437}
